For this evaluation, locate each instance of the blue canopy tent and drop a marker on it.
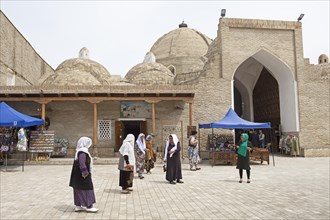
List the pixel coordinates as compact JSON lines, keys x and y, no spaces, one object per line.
{"x":9,"y":117}
{"x":233,"y":121}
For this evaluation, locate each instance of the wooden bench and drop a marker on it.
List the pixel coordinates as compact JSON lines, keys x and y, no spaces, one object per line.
{"x":222,"y":157}
{"x":260,"y":154}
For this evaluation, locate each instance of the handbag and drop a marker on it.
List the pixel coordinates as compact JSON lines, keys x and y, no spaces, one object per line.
{"x":164,"y":167}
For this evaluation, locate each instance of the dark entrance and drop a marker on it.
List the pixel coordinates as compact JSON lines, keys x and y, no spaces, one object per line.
{"x":132,"y":127}
{"x":123,"y":128}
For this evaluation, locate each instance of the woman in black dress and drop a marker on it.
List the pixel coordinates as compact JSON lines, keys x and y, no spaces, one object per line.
{"x":172,"y":159}
{"x":81,"y":177}
{"x":243,"y":157}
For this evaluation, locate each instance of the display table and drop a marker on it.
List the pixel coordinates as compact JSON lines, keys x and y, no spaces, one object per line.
{"x":227,"y":157}
{"x":260,"y":154}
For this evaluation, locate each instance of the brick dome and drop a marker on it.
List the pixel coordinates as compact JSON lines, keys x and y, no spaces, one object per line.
{"x":79,"y":71}
{"x":182,"y":48}
{"x":149,"y":73}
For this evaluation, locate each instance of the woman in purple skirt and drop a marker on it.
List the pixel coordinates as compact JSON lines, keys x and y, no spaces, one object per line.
{"x":81,"y":177}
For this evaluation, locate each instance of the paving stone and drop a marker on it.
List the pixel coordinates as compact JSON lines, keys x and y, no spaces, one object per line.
{"x":296,"y":188}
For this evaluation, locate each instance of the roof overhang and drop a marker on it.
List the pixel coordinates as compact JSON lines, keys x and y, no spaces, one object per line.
{"x":97,"y":93}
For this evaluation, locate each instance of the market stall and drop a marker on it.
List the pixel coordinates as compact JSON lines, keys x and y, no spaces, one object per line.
{"x":11,"y":118}
{"x":232,"y":121}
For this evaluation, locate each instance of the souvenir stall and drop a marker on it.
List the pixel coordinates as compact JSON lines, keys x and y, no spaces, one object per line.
{"x":289,"y":145}
{"x":233,"y":121}
{"x":60,"y":147}
{"x":10,"y":119}
{"x":8,"y":140}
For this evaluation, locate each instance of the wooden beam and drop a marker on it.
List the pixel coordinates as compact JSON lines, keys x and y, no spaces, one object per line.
{"x":105,"y":98}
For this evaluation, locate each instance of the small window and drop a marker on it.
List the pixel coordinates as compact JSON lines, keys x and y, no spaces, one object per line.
{"x":104,"y":129}
{"x":172,"y":69}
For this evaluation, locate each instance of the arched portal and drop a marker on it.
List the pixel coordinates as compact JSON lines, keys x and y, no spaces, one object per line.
{"x":267,"y":91}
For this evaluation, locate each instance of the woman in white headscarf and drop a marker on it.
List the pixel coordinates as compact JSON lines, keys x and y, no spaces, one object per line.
{"x":150,"y":155}
{"x":126,"y":164}
{"x":81,"y":177}
{"x":140,"y":151}
{"x":172,"y":159}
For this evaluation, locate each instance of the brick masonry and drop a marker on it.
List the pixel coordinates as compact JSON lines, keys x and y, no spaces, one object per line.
{"x":237,"y":40}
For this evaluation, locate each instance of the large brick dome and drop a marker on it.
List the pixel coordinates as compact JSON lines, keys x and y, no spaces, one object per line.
{"x":182,"y":49}
{"x":79,"y":71}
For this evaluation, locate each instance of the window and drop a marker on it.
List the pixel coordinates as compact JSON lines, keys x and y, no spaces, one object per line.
{"x":104,"y":129}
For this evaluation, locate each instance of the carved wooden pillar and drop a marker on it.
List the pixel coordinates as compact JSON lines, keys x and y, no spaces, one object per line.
{"x":95,"y":124}
{"x":95,"y":102}
{"x":153,"y":117}
{"x":190,"y":114}
{"x":43,"y":111}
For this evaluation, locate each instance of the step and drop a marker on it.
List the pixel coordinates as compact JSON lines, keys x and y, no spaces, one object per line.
{"x":61,"y":161}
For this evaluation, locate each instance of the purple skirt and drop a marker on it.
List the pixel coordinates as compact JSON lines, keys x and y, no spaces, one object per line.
{"x":84,"y":198}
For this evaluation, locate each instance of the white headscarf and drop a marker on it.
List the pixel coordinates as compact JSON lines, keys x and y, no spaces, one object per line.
{"x":127,"y":148}
{"x":82,"y":146}
{"x":141,"y":144}
{"x":175,"y":140}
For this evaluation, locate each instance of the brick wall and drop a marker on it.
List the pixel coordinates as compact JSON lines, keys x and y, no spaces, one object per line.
{"x":17,"y":57}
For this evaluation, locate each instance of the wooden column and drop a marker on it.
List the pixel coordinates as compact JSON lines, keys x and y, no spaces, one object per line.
{"x":95,"y":124}
{"x":153,"y":118}
{"x":43,"y":110}
{"x":190,"y":114}
{"x":95,"y":102}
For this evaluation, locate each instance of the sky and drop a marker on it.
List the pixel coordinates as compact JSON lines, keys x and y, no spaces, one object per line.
{"x":118,"y":34}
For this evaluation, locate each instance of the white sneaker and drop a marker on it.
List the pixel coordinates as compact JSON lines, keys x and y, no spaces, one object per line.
{"x":79,"y":209}
{"x":92,"y":210}
{"x":125,"y":191}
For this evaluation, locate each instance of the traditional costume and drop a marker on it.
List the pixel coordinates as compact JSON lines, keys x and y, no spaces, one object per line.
{"x":173,"y":162}
{"x":126,"y":158}
{"x":193,"y":154}
{"x":243,"y":157}
{"x":140,"y":148}
{"x":81,"y":177}
{"x":150,"y":156}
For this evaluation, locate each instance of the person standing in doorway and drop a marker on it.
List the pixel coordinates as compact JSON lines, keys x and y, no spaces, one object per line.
{"x":243,"y":157}
{"x":172,"y":160}
{"x":140,"y":151}
{"x":150,"y":156}
{"x":261,"y":139}
{"x":193,"y":151}
{"x":126,"y":164}
{"x":81,"y":177}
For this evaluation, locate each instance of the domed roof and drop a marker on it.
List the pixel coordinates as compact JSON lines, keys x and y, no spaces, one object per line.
{"x":149,"y":72}
{"x":182,"y":41}
{"x":79,"y":71}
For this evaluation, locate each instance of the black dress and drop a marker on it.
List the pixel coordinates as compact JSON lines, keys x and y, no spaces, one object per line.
{"x":76,"y":179}
{"x":173,"y":164}
{"x":244,"y":162}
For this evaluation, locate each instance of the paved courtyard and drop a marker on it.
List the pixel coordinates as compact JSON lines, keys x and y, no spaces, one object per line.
{"x":296,"y":188}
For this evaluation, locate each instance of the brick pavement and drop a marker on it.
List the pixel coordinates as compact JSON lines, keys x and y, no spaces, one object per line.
{"x":296,"y":188}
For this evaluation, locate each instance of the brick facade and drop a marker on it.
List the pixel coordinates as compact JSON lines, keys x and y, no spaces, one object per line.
{"x":237,"y":41}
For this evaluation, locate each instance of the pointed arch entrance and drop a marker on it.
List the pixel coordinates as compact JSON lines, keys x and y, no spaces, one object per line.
{"x":265,"y":89}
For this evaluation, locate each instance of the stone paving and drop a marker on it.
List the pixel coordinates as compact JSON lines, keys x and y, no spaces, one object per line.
{"x":296,"y":188}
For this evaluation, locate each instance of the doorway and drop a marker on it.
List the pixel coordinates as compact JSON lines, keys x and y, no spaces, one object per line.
{"x":131,"y":126}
